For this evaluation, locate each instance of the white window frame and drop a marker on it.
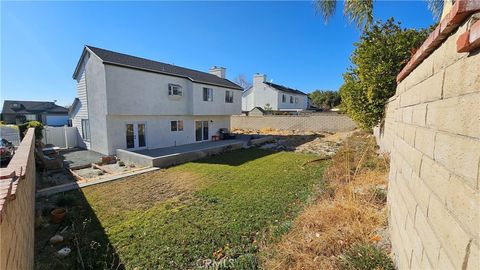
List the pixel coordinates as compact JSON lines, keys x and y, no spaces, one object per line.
{"x":228,"y":96}
{"x":175,"y":90}
{"x":177,"y":126}
{"x":209,"y":96}
{"x":296,"y":100}
{"x":85,"y":129}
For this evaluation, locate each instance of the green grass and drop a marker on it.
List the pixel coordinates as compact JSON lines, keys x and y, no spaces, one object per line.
{"x":246,"y":197}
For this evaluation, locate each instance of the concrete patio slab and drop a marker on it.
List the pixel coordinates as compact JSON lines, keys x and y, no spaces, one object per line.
{"x":80,"y":157}
{"x":168,"y":156}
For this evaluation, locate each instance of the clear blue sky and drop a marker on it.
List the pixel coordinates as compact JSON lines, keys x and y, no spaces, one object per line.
{"x":42,"y":41}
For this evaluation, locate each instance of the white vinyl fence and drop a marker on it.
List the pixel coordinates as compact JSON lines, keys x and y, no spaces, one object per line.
{"x":63,"y":137}
{"x":11,"y":134}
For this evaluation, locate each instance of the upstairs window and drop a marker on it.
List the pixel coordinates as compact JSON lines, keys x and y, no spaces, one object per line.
{"x":176,"y":125}
{"x":175,"y":90}
{"x":291,"y":99}
{"x":229,"y":96}
{"x":207,"y":94}
{"x":284,"y":98}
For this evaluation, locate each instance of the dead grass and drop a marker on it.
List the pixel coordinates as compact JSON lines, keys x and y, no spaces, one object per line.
{"x":350,"y":210}
{"x":142,"y":191}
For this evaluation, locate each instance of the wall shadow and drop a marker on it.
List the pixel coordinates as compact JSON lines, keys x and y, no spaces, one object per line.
{"x":82,"y":233}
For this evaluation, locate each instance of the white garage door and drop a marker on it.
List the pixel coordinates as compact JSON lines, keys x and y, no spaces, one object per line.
{"x":57,"y":120}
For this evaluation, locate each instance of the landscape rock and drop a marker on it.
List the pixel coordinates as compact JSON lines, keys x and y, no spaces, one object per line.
{"x":56,"y":239}
{"x":64,"y":252}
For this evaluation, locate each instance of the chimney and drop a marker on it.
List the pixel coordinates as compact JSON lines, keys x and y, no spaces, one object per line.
{"x":259,"y":78}
{"x":218,"y":71}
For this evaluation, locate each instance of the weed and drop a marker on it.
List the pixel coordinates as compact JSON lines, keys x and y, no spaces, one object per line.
{"x":365,"y":257}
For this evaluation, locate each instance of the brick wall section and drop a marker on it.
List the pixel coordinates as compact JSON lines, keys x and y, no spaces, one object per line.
{"x":331,"y":122}
{"x":17,"y":204}
{"x":432,"y":131}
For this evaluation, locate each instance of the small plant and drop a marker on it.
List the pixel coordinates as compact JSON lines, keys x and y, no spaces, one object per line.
{"x":246,"y":261}
{"x":365,"y":257}
{"x":282,"y":228}
{"x":378,"y":194}
{"x":121,"y":164}
{"x":65,"y":200}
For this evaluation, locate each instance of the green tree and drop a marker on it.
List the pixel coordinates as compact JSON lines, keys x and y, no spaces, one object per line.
{"x":360,"y":12}
{"x":23,"y":128}
{"x":383,"y":50}
{"x":325,"y":99}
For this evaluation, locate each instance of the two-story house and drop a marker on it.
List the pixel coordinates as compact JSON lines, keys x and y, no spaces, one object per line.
{"x":127,"y":102}
{"x":268,"y":95}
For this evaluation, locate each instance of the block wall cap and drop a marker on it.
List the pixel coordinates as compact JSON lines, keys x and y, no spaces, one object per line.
{"x":459,"y":12}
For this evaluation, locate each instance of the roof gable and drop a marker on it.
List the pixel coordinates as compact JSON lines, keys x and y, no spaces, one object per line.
{"x":129,"y":61}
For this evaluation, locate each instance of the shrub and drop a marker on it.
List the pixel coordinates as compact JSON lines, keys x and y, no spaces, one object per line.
{"x":365,"y":257}
{"x":381,"y":53}
{"x":32,"y":124}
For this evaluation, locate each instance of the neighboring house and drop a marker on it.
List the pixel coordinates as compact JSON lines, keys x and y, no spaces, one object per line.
{"x":257,"y":111}
{"x":18,"y":112}
{"x":127,"y":102}
{"x":270,"y":96}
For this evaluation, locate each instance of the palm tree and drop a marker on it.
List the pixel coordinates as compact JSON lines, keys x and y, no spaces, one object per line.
{"x":360,"y":12}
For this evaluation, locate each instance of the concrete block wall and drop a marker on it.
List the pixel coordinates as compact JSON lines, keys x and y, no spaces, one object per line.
{"x":329,"y":122}
{"x":432,"y":131}
{"x":17,"y":207}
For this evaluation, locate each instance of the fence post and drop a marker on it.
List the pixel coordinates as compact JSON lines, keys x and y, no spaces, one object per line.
{"x":66,"y":136}
{"x":45,"y":134}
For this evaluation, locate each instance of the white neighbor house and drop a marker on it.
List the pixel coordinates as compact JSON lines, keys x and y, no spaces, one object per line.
{"x":278,"y":97}
{"x":127,"y":102}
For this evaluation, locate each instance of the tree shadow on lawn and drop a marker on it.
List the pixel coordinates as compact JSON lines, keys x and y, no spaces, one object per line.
{"x":82,"y":233}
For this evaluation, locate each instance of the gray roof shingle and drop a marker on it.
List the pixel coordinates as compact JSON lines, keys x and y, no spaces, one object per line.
{"x":125,"y":60}
{"x":285,"y":89}
{"x":18,"y":106}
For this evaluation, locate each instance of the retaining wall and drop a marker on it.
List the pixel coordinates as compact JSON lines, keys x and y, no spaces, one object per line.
{"x":432,"y":131}
{"x":330,"y":122}
{"x":17,"y":208}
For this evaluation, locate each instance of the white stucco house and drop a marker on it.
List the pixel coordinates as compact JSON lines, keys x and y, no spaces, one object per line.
{"x":127,"y":102}
{"x":265,"y":94}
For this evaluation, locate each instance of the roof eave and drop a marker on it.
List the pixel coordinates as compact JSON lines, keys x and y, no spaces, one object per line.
{"x":169,"y":74}
{"x":77,"y":68}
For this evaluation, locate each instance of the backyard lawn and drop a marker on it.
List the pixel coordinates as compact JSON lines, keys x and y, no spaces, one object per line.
{"x":218,"y":210}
